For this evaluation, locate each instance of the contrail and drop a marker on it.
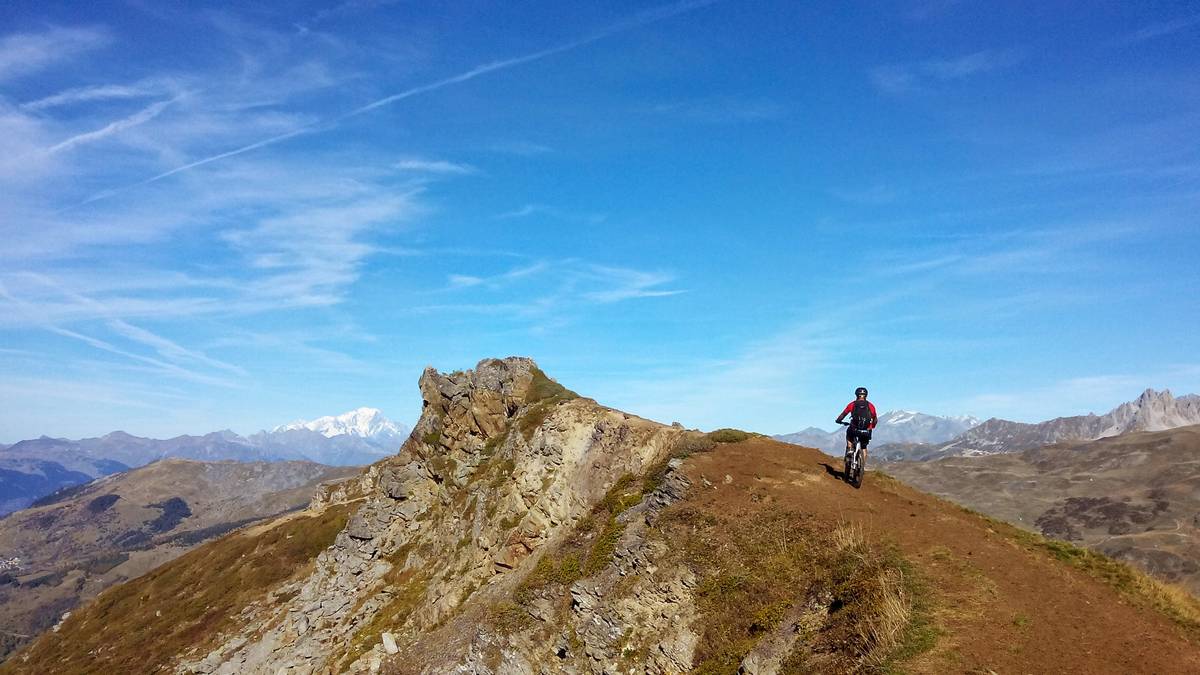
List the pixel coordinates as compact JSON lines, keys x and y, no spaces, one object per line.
{"x":640,"y":19}
{"x":140,"y":117}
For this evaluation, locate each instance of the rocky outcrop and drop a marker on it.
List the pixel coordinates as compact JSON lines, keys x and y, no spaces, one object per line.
{"x":502,"y":462}
{"x":636,"y":608}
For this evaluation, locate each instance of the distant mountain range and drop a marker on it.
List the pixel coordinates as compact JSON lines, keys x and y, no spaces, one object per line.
{"x":896,"y":426}
{"x":1152,"y":411}
{"x":912,"y":436}
{"x":33,"y":468}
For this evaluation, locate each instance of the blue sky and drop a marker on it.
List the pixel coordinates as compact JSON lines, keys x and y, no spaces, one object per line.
{"x":721,"y":213}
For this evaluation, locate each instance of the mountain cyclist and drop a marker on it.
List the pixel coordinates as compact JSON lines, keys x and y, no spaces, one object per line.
{"x":862,"y":421}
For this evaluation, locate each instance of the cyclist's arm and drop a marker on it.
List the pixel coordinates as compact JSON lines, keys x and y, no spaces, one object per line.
{"x":874,"y":417}
{"x":849,"y":407}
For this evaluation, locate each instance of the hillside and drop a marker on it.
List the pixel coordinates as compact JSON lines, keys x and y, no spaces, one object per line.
{"x":23,"y":480}
{"x":81,"y":541}
{"x":524,"y":529}
{"x":1133,"y":496}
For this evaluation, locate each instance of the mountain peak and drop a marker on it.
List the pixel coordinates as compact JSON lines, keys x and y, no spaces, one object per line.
{"x":1154,"y":395}
{"x":363,"y":422}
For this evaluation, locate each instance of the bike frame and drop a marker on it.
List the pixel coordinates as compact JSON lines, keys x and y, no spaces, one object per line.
{"x":852,"y":466}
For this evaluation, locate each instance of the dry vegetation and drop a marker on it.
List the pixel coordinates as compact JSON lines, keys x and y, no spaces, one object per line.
{"x":141,"y":626}
{"x":863,"y":606}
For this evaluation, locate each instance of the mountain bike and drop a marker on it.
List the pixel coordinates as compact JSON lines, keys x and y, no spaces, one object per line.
{"x":854,"y":463}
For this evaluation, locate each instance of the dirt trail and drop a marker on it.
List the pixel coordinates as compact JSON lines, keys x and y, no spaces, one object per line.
{"x":1002,"y":608}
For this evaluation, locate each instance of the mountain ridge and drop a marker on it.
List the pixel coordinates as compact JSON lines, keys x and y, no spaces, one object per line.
{"x":1150,"y":411}
{"x":525,"y":529}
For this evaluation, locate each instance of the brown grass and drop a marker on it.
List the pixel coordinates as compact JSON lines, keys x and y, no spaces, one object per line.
{"x":753,"y":569}
{"x":1176,"y":603}
{"x":142,"y":625}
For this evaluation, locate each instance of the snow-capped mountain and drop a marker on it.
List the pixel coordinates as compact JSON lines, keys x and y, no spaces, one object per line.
{"x":364,"y":422}
{"x":906,"y":426}
{"x":895,"y":426}
{"x":361,"y":436}
{"x":42,"y":465}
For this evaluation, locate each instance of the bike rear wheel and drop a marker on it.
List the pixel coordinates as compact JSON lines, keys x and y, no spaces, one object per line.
{"x":856,"y":472}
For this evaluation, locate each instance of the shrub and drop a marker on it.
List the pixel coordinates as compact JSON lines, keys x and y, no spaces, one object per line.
{"x":729,"y":435}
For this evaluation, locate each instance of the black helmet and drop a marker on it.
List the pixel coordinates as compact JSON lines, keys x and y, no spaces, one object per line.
{"x":861,"y":391}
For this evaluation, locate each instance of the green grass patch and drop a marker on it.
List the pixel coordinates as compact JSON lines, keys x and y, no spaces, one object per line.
{"x":543,"y":396}
{"x":542,"y":388}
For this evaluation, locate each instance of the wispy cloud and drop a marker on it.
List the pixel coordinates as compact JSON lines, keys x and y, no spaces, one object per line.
{"x":140,"y":117}
{"x":497,"y":281}
{"x":556,"y":289}
{"x":174,"y":360}
{"x":901,"y":78}
{"x":310,"y":255}
{"x":755,"y":387}
{"x":634,"y":21}
{"x":527,"y":210}
{"x":100,"y":92}
{"x":723,"y":110}
{"x":627,"y":284}
{"x":1162,"y":29}
{"x":26,"y":53}
{"x":169,"y":349}
{"x":520,"y":148}
{"x":437,"y":166}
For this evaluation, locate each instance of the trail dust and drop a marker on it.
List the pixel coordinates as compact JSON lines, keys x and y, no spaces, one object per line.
{"x":998,"y":606}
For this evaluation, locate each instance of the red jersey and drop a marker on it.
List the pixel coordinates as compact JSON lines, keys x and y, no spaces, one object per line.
{"x":850,"y":408}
